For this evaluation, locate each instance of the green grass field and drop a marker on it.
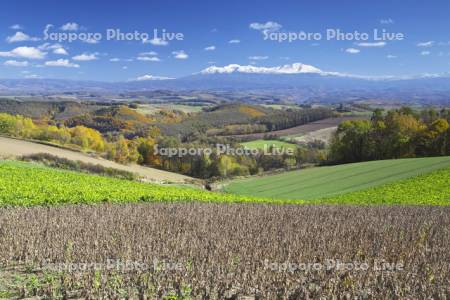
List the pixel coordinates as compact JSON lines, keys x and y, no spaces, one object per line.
{"x":259,"y":144}
{"x":382,"y":182}
{"x":320,"y":182}
{"x":428,"y":189}
{"x":27,"y":184}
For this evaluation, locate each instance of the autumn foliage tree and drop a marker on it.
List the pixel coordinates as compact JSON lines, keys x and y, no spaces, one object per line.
{"x":396,"y":134}
{"x":87,"y":138}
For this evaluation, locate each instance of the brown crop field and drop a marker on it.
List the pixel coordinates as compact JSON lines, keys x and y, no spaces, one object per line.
{"x":214,"y":251}
{"x":302,"y":129}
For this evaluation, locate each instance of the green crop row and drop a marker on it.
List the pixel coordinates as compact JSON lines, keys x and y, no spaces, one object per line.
{"x":330,"y":181}
{"x":429,"y":189}
{"x":24,"y":184}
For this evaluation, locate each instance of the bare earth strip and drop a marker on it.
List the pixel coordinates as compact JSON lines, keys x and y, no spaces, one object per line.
{"x":303,"y":129}
{"x":13,"y":148}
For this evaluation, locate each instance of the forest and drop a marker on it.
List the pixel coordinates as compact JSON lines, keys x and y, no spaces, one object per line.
{"x":397,"y":133}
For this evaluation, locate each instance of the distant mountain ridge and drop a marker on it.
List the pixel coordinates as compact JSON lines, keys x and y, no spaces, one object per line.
{"x":304,"y":82}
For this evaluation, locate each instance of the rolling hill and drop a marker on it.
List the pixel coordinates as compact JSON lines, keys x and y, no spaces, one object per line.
{"x":10,"y":147}
{"x":301,"y":129}
{"x":30,"y":184}
{"x":330,"y":181}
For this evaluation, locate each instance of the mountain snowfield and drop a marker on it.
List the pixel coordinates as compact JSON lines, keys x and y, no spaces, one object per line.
{"x":295,"y":68}
{"x":300,"y":68}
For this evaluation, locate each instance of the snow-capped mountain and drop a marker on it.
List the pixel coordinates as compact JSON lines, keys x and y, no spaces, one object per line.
{"x":301,"y":81}
{"x":296,"y":68}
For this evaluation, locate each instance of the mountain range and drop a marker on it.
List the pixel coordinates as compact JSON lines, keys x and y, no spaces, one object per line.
{"x":300,"y":81}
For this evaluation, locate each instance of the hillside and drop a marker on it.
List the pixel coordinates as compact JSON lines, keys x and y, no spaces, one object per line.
{"x":320,"y":182}
{"x":58,"y":111}
{"x":12,"y":148}
{"x":28,"y":184}
{"x":301,"y":129}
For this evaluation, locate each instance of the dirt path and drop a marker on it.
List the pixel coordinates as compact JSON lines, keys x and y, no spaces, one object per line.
{"x":12,"y":148}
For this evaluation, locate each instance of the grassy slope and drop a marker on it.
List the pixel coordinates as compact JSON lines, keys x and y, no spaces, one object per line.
{"x":316,"y":183}
{"x":259,"y":144}
{"x":428,"y":189}
{"x":25,"y":184}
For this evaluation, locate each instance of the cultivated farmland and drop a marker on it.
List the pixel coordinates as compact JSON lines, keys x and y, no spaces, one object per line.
{"x":25,"y":184}
{"x":302,"y":129}
{"x":217,"y":251}
{"x":10,"y":147}
{"x":266,"y":144}
{"x":320,"y":182}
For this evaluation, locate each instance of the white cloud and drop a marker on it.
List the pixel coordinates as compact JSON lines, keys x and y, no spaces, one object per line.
{"x":180,"y":54}
{"x":48,"y":46}
{"x":116,"y":59}
{"x":425,"y":44}
{"x":148,"y":58}
{"x":386,"y":21}
{"x":210,"y":48}
{"x":374,"y":44}
{"x":19,"y":36}
{"x":424,"y":53}
{"x":16,"y":27}
{"x":234,"y":41}
{"x":61,"y":63}
{"x":257,"y":57}
{"x":15,"y":63}
{"x":150,"y":53}
{"x":269,"y":26}
{"x":71,"y":26}
{"x":151,"y":77}
{"x":32,"y":76}
{"x":124,"y":67}
{"x":91,"y":41}
{"x":352,"y":50}
{"x":85,"y":57}
{"x":25,"y":52}
{"x":60,"y":51}
{"x":390,"y":56}
{"x":156,"y":42}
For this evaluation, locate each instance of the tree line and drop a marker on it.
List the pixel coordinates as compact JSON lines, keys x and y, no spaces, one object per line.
{"x":397,"y":133}
{"x":141,"y":149}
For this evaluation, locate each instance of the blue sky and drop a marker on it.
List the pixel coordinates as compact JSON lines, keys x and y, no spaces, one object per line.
{"x":209,"y":26}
